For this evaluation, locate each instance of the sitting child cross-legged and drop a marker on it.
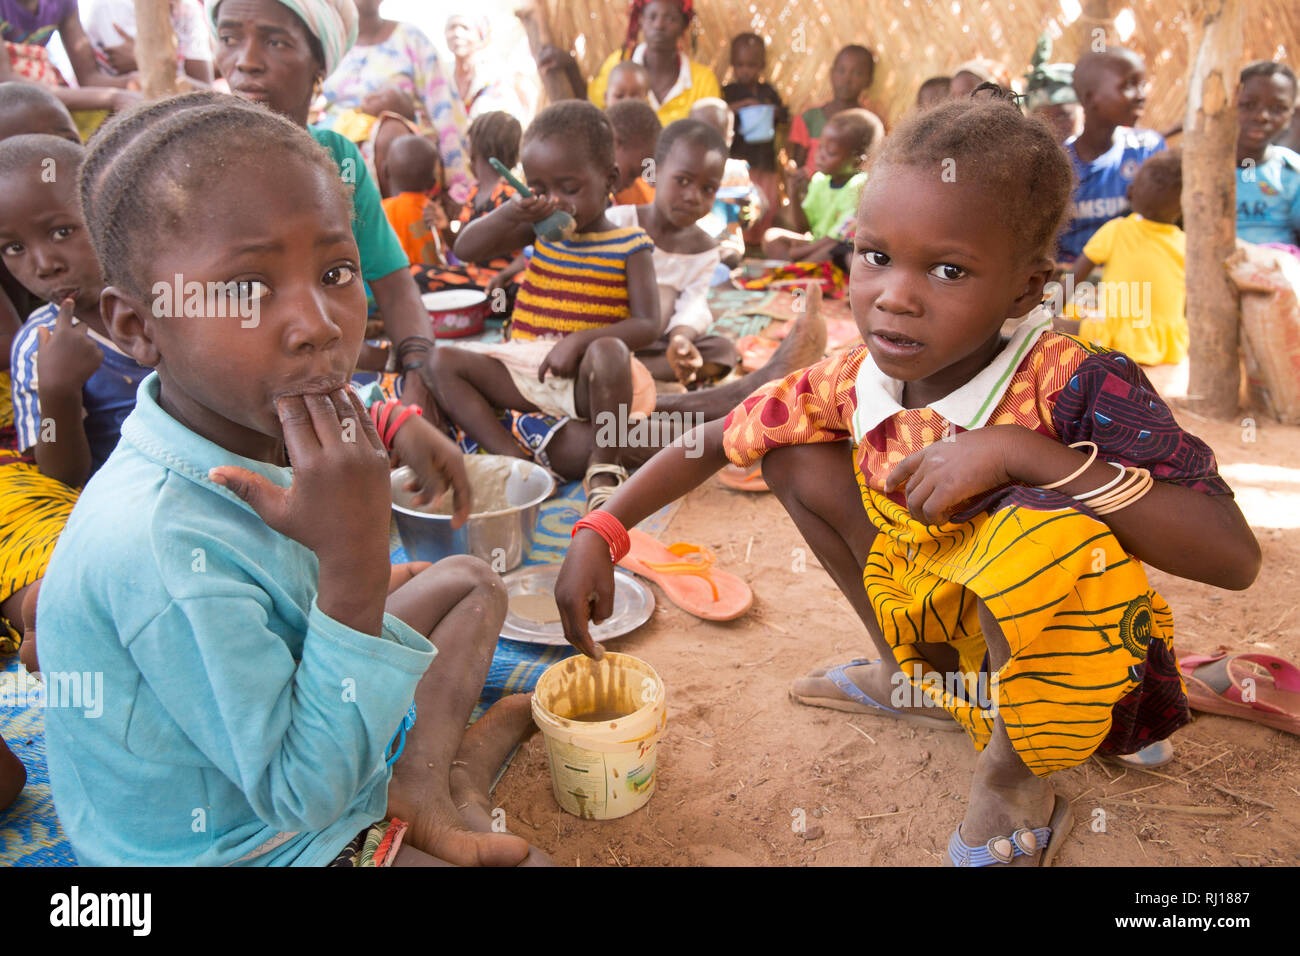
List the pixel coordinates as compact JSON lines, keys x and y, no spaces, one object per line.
{"x":281,"y":694}
{"x":823,"y":209}
{"x":584,"y":303}
{"x":986,"y":504}
{"x":689,"y":162}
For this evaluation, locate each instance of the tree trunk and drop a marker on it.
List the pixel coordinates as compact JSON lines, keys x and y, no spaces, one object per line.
{"x":1209,"y":205}
{"x":155,"y":48}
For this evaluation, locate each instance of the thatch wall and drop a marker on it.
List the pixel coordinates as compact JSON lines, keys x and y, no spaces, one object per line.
{"x":916,"y":39}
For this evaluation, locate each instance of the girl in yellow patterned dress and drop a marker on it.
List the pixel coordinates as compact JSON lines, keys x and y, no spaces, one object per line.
{"x":997,"y":495}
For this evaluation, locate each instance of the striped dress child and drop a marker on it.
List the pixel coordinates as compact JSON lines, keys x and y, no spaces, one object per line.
{"x":1092,"y":659}
{"x":570,"y":285}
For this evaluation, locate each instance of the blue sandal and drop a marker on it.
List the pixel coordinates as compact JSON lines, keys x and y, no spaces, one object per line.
{"x":859,"y":702}
{"x":1024,"y":842}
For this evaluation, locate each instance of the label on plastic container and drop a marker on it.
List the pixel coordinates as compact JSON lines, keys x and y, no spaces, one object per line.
{"x":597,"y":786}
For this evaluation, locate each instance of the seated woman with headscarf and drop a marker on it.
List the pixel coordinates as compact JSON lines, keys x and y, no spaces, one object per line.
{"x":676,"y":81}
{"x":480,"y":82}
{"x":277,"y":53}
{"x":394,"y":67}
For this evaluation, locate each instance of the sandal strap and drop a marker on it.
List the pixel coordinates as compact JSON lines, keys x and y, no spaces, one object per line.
{"x":605,"y":468}
{"x":597,"y":497}
{"x":963,"y":854}
{"x":699,"y":568}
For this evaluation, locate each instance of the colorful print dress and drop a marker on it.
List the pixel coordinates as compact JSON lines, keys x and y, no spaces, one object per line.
{"x":1092,"y":664}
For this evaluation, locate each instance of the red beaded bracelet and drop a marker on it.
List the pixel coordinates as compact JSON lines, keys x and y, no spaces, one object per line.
{"x":379,"y":413}
{"x":406,"y":412}
{"x":609,"y":528}
{"x":388,"y":418}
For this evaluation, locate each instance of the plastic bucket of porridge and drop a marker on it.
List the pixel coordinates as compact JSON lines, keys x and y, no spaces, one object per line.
{"x":601,"y":721}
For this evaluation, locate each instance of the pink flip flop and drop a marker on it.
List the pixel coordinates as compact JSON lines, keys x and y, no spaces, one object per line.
{"x":1256,"y":687}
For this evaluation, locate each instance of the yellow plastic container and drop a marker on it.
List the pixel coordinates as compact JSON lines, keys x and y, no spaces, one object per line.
{"x":601,"y":768}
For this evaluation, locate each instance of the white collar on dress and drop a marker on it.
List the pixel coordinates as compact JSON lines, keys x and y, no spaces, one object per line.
{"x":878,"y":395}
{"x":683,"y":76}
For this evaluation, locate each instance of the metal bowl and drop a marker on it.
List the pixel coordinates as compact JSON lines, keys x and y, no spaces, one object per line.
{"x":502,"y":538}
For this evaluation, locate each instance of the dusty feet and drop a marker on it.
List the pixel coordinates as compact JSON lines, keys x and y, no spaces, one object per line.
{"x":486,"y":746}
{"x":13,"y":775}
{"x":1005,"y":797}
{"x":684,"y":359}
{"x":425,"y":803}
{"x":804,"y":344}
{"x":879,"y":680}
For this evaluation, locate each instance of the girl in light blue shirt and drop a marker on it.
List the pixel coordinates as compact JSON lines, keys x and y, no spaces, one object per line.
{"x":255,"y":680}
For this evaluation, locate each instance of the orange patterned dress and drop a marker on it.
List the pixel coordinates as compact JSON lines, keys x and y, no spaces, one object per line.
{"x":1092,"y":665}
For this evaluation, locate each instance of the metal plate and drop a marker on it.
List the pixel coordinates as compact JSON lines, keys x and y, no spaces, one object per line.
{"x":633,"y":605}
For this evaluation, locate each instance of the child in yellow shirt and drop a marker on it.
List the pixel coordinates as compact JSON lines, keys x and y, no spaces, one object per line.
{"x":1139,"y":307}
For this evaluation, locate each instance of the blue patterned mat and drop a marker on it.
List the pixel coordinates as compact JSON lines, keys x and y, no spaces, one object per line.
{"x":30,"y":834}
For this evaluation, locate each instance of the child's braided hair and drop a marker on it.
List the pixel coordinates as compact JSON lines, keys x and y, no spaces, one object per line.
{"x":122,"y":127}
{"x":985,"y":139}
{"x":496,"y":134}
{"x":152,"y":165}
{"x":581,"y":125}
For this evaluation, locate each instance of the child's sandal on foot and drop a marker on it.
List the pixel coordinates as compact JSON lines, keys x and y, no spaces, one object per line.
{"x":1044,"y":842}
{"x":596,"y":497}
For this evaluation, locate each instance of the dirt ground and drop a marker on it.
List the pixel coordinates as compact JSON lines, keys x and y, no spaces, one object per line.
{"x":740,"y":763}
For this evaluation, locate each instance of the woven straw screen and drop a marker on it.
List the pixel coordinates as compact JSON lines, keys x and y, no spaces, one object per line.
{"x":916,"y":39}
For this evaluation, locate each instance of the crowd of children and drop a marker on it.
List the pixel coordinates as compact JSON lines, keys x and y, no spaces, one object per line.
{"x":224,"y":647}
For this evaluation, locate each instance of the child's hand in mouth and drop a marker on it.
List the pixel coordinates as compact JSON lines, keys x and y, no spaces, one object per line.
{"x":338,"y":505}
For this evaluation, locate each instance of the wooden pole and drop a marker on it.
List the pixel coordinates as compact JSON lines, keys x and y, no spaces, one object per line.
{"x":1209,"y":205}
{"x":155,"y":48}
{"x":533,"y":16}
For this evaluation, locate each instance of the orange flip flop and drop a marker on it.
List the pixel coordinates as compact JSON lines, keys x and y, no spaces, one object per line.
{"x":755,"y":351}
{"x":743,"y":479}
{"x":688,"y":577}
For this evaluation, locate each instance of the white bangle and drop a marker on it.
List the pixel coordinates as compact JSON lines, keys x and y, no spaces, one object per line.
{"x":1107,"y":486}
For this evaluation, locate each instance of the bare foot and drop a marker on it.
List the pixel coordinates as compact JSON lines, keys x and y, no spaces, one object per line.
{"x":13,"y":775}
{"x":486,"y":746}
{"x":436,"y":828}
{"x":804,"y":344}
